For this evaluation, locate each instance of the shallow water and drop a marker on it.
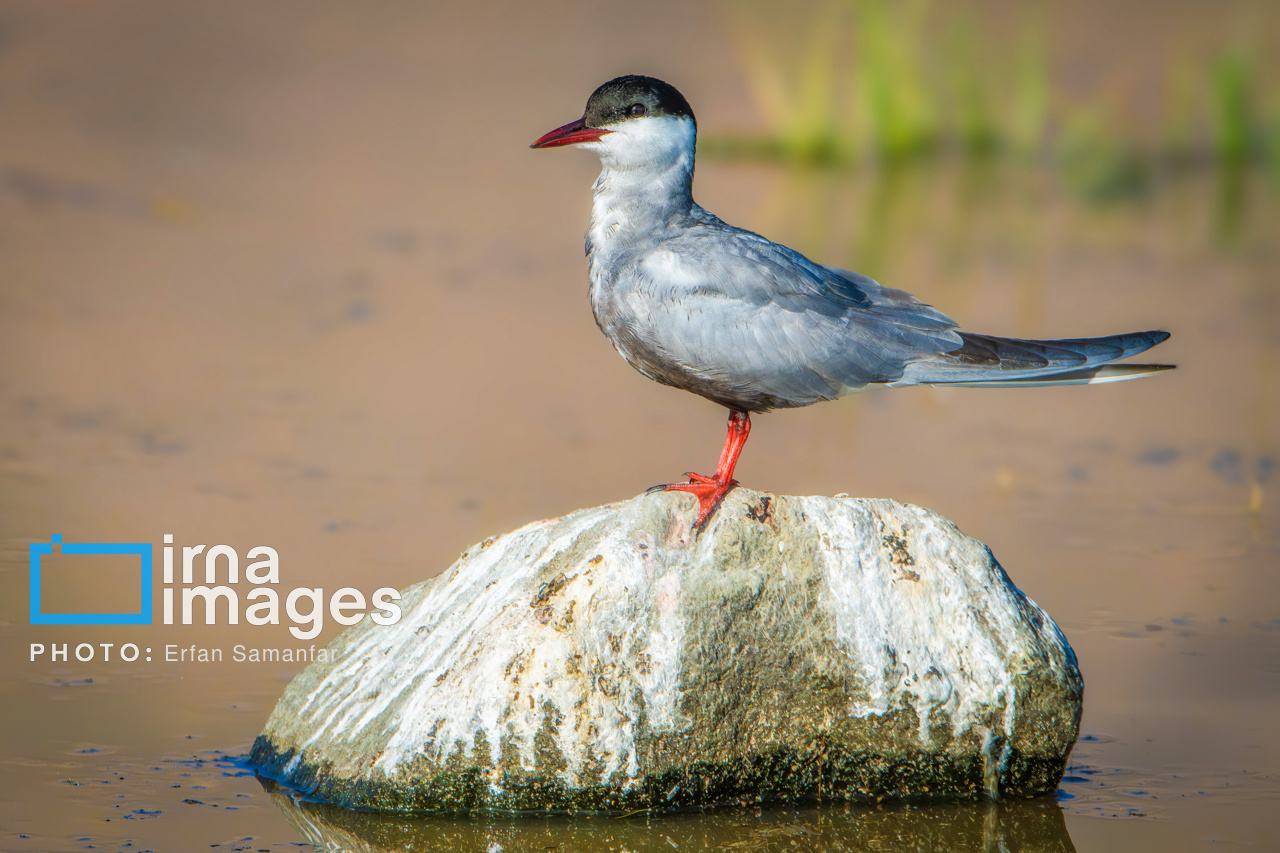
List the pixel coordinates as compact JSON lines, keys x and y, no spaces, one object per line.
{"x":287,"y":275}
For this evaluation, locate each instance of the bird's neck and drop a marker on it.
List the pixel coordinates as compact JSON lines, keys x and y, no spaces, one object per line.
{"x":634,"y":205}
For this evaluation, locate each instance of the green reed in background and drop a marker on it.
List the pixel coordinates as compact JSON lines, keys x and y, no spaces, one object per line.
{"x":1233,"y":122}
{"x":895,"y":82}
{"x":894,"y":108}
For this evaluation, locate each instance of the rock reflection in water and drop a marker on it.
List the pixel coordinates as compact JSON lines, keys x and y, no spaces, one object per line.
{"x":1031,"y":826}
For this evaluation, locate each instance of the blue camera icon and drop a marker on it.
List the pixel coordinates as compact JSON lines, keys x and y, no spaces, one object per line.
{"x":142,"y":549}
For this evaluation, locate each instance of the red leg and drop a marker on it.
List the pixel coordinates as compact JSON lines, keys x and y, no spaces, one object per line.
{"x":711,"y":490}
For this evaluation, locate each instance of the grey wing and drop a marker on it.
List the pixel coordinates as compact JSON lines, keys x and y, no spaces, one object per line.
{"x":754,"y":325}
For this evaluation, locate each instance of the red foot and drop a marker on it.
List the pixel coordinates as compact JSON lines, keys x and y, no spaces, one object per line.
{"x":710,"y":491}
{"x":709,"y":496}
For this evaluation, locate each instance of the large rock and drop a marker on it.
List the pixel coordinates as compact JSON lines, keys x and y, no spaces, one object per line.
{"x":798,"y":649}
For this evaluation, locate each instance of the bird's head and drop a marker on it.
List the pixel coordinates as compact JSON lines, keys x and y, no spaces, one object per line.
{"x":631,"y":122}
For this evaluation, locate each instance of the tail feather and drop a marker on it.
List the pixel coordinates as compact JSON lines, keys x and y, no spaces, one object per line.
{"x":1089,"y":376}
{"x":1010,"y":362}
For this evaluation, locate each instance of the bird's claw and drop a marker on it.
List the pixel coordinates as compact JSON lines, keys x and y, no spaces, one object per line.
{"x":709,"y":491}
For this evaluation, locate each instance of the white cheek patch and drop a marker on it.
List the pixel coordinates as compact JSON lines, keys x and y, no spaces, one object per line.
{"x":651,"y":141}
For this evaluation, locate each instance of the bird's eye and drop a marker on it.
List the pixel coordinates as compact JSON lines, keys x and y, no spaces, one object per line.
{"x":636,"y":110}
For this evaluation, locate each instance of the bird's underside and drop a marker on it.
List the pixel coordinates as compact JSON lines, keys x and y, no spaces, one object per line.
{"x":982,"y":361}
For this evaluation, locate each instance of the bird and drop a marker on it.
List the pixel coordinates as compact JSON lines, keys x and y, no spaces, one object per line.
{"x":697,"y":304}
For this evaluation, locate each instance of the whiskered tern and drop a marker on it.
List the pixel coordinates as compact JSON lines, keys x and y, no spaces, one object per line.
{"x":695,"y":303}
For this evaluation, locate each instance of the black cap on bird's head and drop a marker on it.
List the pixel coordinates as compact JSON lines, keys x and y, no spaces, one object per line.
{"x":621,"y":99}
{"x":634,"y":96}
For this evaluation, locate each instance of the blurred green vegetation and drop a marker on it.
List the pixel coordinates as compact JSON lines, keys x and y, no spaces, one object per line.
{"x":899,"y":81}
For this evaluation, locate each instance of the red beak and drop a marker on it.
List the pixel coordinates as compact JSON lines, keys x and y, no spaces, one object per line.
{"x":571,"y":133}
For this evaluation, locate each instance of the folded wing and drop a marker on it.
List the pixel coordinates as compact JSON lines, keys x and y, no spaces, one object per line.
{"x":754,"y":325}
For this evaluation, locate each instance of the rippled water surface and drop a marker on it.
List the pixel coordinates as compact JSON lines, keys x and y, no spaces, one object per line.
{"x":287,"y":275}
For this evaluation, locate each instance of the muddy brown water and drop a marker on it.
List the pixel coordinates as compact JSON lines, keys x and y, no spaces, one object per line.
{"x":286,"y":275}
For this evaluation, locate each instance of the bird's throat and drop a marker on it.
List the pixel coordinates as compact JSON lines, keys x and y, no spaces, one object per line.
{"x":633,"y":208}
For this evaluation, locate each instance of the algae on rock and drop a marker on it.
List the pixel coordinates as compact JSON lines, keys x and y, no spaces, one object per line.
{"x":799,"y":649}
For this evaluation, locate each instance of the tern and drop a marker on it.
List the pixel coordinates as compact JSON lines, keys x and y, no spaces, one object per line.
{"x":695,"y":303}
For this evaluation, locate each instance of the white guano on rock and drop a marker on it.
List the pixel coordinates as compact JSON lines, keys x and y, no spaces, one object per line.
{"x":798,"y":649}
